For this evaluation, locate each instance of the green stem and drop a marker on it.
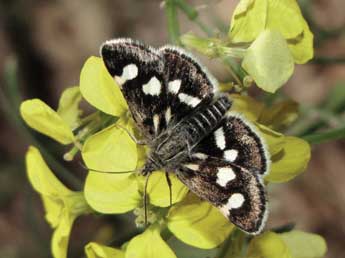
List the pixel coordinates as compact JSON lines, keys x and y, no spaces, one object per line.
{"x":325,"y":60}
{"x":193,"y":15}
{"x":331,"y":135}
{"x":233,"y":69}
{"x":173,"y":24}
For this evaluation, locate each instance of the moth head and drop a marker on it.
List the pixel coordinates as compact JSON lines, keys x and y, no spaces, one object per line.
{"x":150,"y":166}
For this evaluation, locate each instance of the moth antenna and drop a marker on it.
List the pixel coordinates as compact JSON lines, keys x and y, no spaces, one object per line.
{"x":145,"y":197}
{"x":170,"y":187}
{"x":107,"y":172}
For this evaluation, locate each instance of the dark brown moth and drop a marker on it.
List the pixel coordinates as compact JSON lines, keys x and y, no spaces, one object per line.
{"x":187,"y":124}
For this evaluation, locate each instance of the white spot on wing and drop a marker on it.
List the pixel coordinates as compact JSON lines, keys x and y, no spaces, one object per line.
{"x":129,"y":72}
{"x":168,"y":115}
{"x":224,"y":176}
{"x":200,"y":155}
{"x":174,"y":86}
{"x":235,"y":201}
{"x":230,"y":155}
{"x":189,"y":100}
{"x":153,"y":87}
{"x":156,"y":122}
{"x":193,"y":167}
{"x":220,"y":138}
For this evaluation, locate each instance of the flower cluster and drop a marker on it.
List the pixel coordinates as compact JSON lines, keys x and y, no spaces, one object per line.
{"x":104,"y":142}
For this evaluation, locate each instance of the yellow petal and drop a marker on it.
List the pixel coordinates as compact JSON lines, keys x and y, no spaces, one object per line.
{"x":304,"y":245}
{"x":198,"y":223}
{"x":42,"y":118}
{"x":247,"y":106}
{"x":142,"y":155}
{"x":284,"y":16}
{"x":248,"y":20}
{"x":111,"y":149}
{"x":68,"y":108}
{"x":268,"y":245}
{"x":292,"y":160}
{"x":149,"y":245}
{"x":158,"y":190}
{"x":60,"y":239}
{"x":302,"y":47}
{"x":94,"y":250}
{"x":53,"y":210}
{"x":99,"y":89}
{"x":269,"y":61}
{"x":41,"y":177}
{"x":111,"y":194}
{"x":73,"y":206}
{"x":280,"y":115}
{"x":273,"y":139}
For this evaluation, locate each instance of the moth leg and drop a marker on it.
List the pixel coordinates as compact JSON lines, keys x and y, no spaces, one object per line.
{"x":145,"y":197}
{"x":170,"y":187}
{"x":139,"y":142}
{"x":189,"y":149}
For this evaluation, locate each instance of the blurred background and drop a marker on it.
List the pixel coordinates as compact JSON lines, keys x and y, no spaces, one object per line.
{"x":43,"y":45}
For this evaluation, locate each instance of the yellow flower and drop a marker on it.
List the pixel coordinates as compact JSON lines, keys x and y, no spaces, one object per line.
{"x":293,"y":244}
{"x":251,"y":17}
{"x":42,"y":118}
{"x":112,"y":149}
{"x":94,"y":250}
{"x":62,"y":205}
{"x":289,"y":155}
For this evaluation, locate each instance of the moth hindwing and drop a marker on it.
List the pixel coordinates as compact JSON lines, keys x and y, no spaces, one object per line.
{"x":183,"y":119}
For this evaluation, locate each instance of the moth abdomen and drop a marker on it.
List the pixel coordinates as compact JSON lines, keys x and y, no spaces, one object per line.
{"x":204,"y":120}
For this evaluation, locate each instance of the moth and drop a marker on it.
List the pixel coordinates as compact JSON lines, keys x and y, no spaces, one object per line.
{"x":189,"y":129}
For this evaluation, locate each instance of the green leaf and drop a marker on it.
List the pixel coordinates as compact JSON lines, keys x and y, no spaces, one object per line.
{"x":269,"y":61}
{"x":158,"y":189}
{"x":268,"y":245}
{"x":198,"y":223}
{"x":111,"y":149}
{"x":100,"y":89}
{"x":94,"y":250}
{"x":149,"y":245}
{"x":304,"y":245}
{"x":68,"y":108}
{"x":107,"y":193}
{"x":291,"y":161}
{"x":42,"y":118}
{"x":248,"y":20}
